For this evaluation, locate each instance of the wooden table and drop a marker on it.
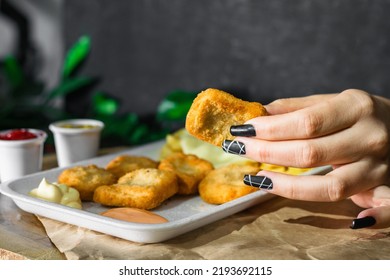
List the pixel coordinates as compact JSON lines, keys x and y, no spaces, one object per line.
{"x":21,"y":233}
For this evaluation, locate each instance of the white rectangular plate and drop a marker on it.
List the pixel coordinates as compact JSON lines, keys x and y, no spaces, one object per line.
{"x":183,"y":213}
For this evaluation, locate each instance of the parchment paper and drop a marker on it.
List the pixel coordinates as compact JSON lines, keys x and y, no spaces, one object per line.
{"x":277,"y":229}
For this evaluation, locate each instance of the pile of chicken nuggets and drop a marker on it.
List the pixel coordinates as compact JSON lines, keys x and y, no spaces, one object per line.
{"x":144,"y":183}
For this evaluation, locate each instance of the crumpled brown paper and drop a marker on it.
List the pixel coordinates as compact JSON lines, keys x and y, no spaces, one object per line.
{"x":8,"y":255}
{"x":276,"y":229}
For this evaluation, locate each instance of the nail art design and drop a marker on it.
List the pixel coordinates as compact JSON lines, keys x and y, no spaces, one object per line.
{"x":261,"y":182}
{"x":246,"y":130}
{"x":233,"y":147}
{"x":363,"y":222}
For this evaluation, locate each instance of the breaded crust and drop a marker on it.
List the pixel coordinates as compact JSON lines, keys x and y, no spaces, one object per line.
{"x":86,"y":179}
{"x":190,"y":170}
{"x":144,"y":188}
{"x":123,"y":164}
{"x":213,"y":112}
{"x":226,"y":183}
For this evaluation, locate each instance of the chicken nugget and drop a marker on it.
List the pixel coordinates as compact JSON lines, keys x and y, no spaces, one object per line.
{"x":213,"y":112}
{"x":86,"y":179}
{"x":190,"y":170}
{"x":123,"y":164}
{"x":144,"y":188}
{"x":226,"y":183}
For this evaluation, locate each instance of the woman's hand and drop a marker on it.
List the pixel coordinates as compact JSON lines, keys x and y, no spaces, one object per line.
{"x":349,"y":131}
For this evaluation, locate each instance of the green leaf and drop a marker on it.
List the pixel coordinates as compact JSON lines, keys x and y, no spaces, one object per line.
{"x":119,"y":126}
{"x":175,"y":106}
{"x":131,"y":121}
{"x":139,"y":133}
{"x":76,"y":55}
{"x":104,"y":105}
{"x":70,"y":85}
{"x":13,"y":71}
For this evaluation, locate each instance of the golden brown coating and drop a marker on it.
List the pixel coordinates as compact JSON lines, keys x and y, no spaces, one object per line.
{"x":213,"y":112}
{"x":226,"y":183}
{"x":190,"y":170}
{"x":86,"y":179}
{"x":123,"y":164}
{"x":144,"y":188}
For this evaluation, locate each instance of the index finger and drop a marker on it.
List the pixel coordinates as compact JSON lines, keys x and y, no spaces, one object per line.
{"x":332,"y":115}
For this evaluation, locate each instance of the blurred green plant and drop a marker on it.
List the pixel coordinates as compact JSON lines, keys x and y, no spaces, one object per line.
{"x":25,"y":102}
{"x":174,"y":106}
{"x":132,"y":129}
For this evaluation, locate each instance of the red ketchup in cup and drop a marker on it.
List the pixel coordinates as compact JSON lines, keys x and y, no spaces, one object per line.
{"x":18,"y":134}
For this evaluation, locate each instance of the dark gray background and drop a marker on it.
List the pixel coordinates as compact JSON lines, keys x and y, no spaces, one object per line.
{"x":257,"y":49}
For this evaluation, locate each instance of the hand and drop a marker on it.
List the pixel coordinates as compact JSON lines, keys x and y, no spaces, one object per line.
{"x":349,"y":131}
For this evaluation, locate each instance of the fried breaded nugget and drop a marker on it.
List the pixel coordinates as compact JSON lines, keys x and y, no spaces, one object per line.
{"x":226,"y":183}
{"x":86,"y":179}
{"x":123,"y":164}
{"x":213,"y":112}
{"x":190,"y":170}
{"x":144,"y":188}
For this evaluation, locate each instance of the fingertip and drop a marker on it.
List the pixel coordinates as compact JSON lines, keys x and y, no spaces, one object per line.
{"x":271,"y":108}
{"x":244,"y":130}
{"x":363,"y":222}
{"x":377,"y":217}
{"x":261,"y":182}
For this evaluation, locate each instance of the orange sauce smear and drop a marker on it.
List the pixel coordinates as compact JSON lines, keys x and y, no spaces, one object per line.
{"x":134,"y":215}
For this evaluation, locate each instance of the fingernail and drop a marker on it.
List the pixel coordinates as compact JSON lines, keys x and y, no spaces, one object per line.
{"x":245,"y":130}
{"x":233,"y":147}
{"x":261,"y":182}
{"x":363,"y":222}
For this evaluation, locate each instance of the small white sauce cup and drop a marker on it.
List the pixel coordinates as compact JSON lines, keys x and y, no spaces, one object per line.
{"x":21,"y":157}
{"x":76,"y":144}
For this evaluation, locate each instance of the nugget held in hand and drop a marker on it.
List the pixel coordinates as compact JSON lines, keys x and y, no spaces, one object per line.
{"x":86,"y":179}
{"x":144,"y":188}
{"x":213,"y":112}
{"x":226,"y":183}
{"x":123,"y":164}
{"x":190,"y":170}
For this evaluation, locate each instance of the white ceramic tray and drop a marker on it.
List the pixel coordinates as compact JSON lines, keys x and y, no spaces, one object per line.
{"x":183,"y":213}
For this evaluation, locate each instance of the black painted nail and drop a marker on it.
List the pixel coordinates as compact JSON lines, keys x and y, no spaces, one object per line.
{"x":233,"y":147}
{"x":363,"y":222}
{"x":261,"y":182}
{"x":245,"y":130}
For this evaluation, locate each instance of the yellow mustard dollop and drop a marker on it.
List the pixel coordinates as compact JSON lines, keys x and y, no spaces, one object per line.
{"x":58,"y":193}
